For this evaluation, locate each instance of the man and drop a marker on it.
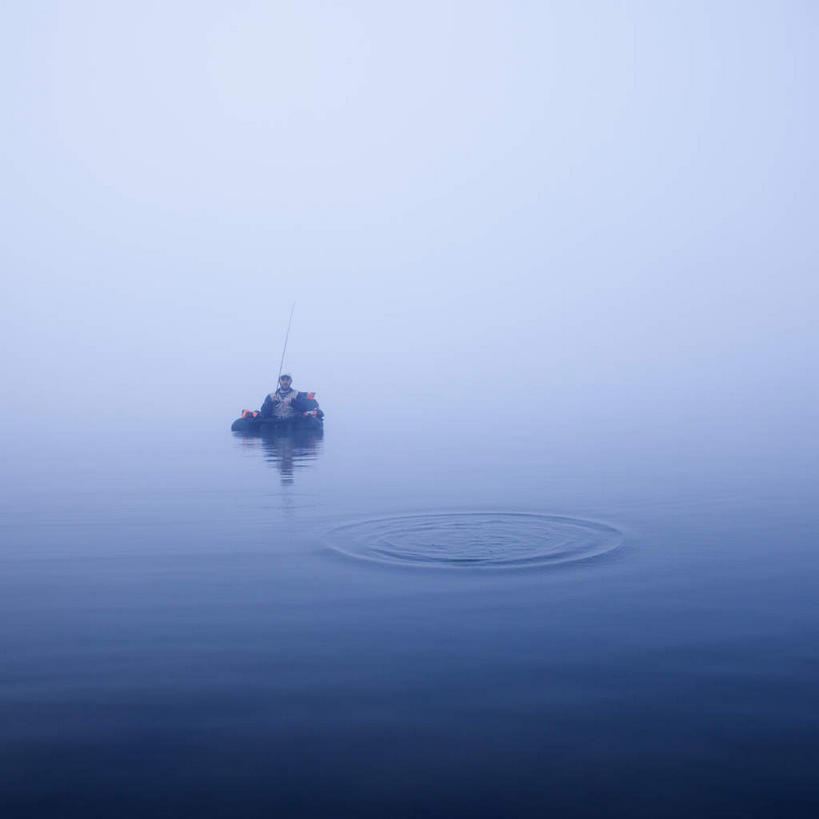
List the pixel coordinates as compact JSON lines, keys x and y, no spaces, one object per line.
{"x":279,"y":404}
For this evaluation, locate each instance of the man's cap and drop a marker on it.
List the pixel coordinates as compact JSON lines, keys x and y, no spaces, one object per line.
{"x":285,"y":375}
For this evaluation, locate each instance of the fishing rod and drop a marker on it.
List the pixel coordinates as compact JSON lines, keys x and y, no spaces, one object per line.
{"x":284,"y":349}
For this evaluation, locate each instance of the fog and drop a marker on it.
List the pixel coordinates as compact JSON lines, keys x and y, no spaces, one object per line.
{"x":553,"y":551}
{"x":599,"y":216}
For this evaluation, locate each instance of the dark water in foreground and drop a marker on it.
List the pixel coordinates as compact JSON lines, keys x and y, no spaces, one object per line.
{"x":429,"y":624}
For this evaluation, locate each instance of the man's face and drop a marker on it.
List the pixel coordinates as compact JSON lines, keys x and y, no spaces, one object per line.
{"x":284,"y":381}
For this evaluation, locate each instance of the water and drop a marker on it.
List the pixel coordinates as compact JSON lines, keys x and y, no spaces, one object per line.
{"x":485,"y":540}
{"x":406,"y":621}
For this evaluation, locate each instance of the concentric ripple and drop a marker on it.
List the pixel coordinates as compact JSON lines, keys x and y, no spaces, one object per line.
{"x":475,"y":540}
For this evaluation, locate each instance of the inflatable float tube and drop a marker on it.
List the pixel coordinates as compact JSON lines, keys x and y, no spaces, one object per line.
{"x":308,"y":422}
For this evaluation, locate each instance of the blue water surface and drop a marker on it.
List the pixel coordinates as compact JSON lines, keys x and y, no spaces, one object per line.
{"x":414,"y":621}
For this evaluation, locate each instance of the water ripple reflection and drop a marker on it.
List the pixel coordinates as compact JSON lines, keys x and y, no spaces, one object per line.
{"x":492,"y":540}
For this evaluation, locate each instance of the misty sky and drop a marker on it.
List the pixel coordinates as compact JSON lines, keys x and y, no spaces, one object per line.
{"x":604,"y":208}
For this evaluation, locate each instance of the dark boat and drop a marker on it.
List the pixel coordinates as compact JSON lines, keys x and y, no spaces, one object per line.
{"x":308,"y":418}
{"x":308,"y":422}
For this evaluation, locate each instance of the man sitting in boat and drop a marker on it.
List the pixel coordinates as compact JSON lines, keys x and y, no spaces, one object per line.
{"x":285,"y":409}
{"x":279,"y":404}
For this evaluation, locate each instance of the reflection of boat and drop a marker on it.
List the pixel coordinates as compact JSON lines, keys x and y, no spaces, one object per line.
{"x":286,"y":452}
{"x":304,"y":423}
{"x":291,"y":452}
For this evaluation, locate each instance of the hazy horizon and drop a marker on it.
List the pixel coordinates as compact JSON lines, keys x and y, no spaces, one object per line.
{"x":605,"y":211}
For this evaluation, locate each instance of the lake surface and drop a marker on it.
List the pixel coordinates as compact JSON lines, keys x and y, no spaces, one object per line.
{"x":407,"y":620}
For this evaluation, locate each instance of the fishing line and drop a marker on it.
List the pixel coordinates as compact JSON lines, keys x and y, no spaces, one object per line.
{"x":284,"y":349}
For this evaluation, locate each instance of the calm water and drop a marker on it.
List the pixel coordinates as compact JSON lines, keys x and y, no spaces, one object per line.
{"x":407,"y":621}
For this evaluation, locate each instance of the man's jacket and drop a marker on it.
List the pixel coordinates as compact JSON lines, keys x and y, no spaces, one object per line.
{"x":287,"y":403}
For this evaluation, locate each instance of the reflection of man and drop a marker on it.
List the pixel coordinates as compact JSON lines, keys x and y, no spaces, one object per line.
{"x":282,"y":456}
{"x":289,"y":453}
{"x":279,"y":404}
